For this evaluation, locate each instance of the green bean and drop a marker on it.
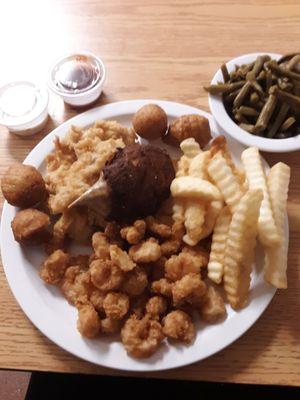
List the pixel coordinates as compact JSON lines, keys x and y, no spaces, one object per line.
{"x":254,"y":98}
{"x":258,"y":66}
{"x":247,"y":127}
{"x":248,"y":111}
{"x":231,"y":96}
{"x":242,"y":95}
{"x":266,"y":114}
{"x":284,"y":84}
{"x":256,"y":86}
{"x":283,"y":71}
{"x":293,"y":62}
{"x":291,"y":100}
{"x":288,"y":123}
{"x":262,"y":75}
{"x":284,"y":108}
{"x":268,"y":80}
{"x":240,"y":118}
{"x":225,"y":73}
{"x":224,"y":87}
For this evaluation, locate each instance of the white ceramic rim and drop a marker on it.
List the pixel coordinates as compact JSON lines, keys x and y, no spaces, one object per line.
{"x":234,"y":326}
{"x":231,"y":128}
{"x":86,"y":93}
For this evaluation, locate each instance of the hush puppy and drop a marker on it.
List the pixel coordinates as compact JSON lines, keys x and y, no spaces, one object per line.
{"x":23,"y":186}
{"x":31,"y":227}
{"x":150,"y":122}
{"x":195,"y":126}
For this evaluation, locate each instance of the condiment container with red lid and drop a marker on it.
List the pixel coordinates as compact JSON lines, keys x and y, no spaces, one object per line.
{"x":23,"y":107}
{"x":77,"y":78}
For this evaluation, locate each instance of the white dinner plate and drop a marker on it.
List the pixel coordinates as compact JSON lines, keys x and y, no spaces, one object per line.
{"x":51,"y":313}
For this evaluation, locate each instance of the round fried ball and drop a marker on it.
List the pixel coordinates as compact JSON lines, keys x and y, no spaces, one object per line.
{"x":23,"y":186}
{"x":150,"y":122}
{"x":31,"y":227}
{"x":189,"y":126}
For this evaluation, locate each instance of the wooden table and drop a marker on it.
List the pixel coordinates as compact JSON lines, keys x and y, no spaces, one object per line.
{"x":162,"y":50}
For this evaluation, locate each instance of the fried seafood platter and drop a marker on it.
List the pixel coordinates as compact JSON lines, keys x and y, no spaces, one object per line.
{"x":149,"y":248}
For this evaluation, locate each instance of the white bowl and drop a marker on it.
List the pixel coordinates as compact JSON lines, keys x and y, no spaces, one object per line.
{"x":231,"y":128}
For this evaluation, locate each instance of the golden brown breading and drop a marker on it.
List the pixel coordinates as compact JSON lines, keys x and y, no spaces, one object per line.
{"x":156,"y":306}
{"x":157,"y":228}
{"x":31,"y":227}
{"x":150,"y":122}
{"x":179,"y":326}
{"x":76,"y":285}
{"x":96,"y":297}
{"x":53,"y":268}
{"x":101,"y":246}
{"x":106,"y":275}
{"x":116,"y":305}
{"x":23,"y":186}
{"x":182,"y":264}
{"x":135,"y":282}
{"x":135,"y":233}
{"x":121,"y":258}
{"x":110,"y":326}
{"x":212,"y":308}
{"x":146,"y":251}
{"x":170,"y":247}
{"x":189,"y":289}
{"x":163,"y":287}
{"x":141,"y":337}
{"x":88,"y":322}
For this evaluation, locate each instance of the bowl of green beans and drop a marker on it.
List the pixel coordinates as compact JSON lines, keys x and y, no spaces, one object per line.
{"x":255,"y":98}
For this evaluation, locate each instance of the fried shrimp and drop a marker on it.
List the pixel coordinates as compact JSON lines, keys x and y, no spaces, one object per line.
{"x":135,"y":282}
{"x":141,"y":338}
{"x":163,"y":287}
{"x":179,"y":326}
{"x":76,"y":285}
{"x":189,"y":289}
{"x":88,"y":322}
{"x":110,"y":326}
{"x":54,"y":267}
{"x":116,"y":305}
{"x":156,"y":306}
{"x":147,"y":251}
{"x":212,"y":308}
{"x":105,"y":275}
{"x":135,"y":233}
{"x":100,"y":245}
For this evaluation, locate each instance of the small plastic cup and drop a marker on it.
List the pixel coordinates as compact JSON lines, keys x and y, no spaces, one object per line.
{"x":77,"y":78}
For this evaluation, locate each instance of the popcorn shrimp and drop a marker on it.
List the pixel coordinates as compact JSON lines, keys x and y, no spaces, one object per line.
{"x":141,"y":338}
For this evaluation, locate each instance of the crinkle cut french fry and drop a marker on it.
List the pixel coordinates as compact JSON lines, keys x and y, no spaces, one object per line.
{"x":213,"y":209}
{"x":190,"y":147}
{"x":219,"y":145}
{"x":223,"y":176}
{"x":239,"y":250}
{"x":267,"y":230}
{"x":190,"y":187}
{"x":276,"y":256}
{"x":194,"y":218}
{"x":216,"y":258}
{"x":195,"y":209}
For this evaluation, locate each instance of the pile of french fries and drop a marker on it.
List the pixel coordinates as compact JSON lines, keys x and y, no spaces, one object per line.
{"x":237,"y":206}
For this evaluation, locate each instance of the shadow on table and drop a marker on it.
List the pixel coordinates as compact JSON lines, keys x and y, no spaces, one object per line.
{"x":49,"y":386}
